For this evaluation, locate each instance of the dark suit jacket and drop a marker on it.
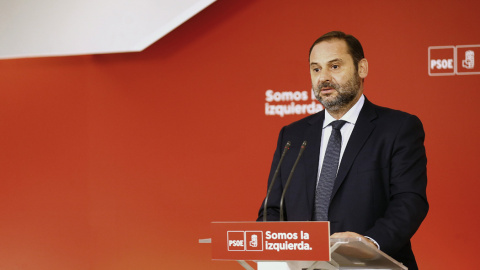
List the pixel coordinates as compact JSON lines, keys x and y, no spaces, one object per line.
{"x":380,"y":190}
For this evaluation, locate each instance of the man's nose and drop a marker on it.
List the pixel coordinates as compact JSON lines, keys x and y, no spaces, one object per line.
{"x":324,"y":76}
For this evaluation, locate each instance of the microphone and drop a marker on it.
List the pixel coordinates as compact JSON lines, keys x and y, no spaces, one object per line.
{"x":282,"y":199}
{"x":285,"y":149}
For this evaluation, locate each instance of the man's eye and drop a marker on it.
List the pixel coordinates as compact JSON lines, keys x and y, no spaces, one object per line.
{"x":335,"y":66}
{"x":316,"y":70}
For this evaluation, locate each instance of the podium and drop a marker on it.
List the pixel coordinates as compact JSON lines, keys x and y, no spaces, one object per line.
{"x":294,"y":246}
{"x":346,"y":254}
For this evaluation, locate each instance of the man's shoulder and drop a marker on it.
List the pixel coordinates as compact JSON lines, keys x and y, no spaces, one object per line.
{"x":313,"y":119}
{"x":390,"y":114}
{"x":393,"y":120}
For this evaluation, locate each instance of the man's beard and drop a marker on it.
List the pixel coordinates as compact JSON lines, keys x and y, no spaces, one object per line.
{"x":346,"y":93}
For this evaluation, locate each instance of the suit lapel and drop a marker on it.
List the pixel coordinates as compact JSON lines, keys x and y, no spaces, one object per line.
{"x":362,"y":130}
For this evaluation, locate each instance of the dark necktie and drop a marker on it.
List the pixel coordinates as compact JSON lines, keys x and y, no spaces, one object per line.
{"x":329,"y":172}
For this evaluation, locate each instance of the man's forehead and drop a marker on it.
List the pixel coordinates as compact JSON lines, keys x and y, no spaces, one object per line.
{"x":330,"y":50}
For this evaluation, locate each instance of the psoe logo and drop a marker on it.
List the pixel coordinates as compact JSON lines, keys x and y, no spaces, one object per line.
{"x":453,"y":60}
{"x":441,"y":60}
{"x":245,"y":240}
{"x":468,"y":59}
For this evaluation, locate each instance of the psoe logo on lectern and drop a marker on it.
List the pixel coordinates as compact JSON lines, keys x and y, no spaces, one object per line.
{"x":245,"y":240}
{"x":254,"y":240}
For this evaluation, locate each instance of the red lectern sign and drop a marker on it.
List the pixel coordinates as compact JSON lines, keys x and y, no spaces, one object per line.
{"x":275,"y":241}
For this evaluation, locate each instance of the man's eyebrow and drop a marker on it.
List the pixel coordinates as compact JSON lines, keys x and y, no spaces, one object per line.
{"x":331,"y":61}
{"x":336,"y":60}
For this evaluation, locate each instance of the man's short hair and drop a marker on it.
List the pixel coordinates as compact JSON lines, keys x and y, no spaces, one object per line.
{"x":354,"y":47}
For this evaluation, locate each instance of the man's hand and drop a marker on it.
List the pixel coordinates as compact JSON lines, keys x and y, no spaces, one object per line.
{"x":352,"y":234}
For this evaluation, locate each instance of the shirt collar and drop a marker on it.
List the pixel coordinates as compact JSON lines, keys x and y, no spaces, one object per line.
{"x":351,"y":116}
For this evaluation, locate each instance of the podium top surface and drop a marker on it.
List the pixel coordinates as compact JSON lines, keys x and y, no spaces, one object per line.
{"x":347,"y":254}
{"x":356,"y":253}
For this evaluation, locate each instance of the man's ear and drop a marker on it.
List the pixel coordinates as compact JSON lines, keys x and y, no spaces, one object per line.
{"x":363,"y":68}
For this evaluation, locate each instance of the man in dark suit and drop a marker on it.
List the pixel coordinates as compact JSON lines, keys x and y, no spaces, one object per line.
{"x":379,"y":191}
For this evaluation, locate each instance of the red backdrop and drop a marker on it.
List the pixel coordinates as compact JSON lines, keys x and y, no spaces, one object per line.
{"x":122,"y":161}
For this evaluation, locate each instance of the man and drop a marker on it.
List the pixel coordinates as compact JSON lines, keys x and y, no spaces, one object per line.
{"x":379,"y":190}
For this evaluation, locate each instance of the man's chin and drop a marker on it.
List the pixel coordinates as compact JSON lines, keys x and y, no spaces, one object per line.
{"x":331,"y":103}
{"x":331,"y":98}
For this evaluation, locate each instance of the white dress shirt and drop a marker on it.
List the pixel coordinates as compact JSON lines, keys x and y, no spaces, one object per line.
{"x":351,"y":117}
